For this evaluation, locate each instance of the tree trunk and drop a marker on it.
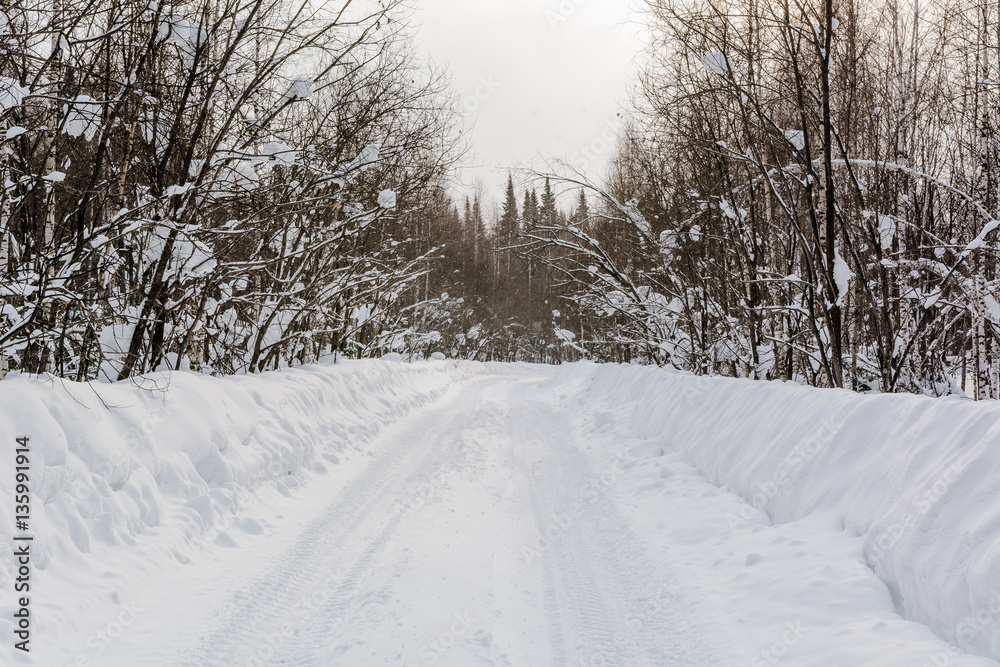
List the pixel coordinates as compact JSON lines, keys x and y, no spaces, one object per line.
{"x":4,"y":250}
{"x":982,"y":375}
{"x":829,"y":211}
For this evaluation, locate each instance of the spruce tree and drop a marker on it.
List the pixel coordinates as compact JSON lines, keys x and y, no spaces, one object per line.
{"x":582,"y":208}
{"x":479,"y":229}
{"x":530,"y":215}
{"x":547,"y":208}
{"x":509,"y":219}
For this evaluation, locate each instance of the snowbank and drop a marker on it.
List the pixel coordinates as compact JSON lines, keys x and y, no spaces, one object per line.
{"x":181,"y":452}
{"x":917,"y":479}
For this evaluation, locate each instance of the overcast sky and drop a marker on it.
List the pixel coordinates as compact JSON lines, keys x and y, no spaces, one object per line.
{"x":540,"y":78}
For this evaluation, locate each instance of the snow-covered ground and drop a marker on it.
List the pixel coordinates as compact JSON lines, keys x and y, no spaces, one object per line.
{"x":443,"y":513}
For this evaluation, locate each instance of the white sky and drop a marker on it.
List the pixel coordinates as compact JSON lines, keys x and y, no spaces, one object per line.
{"x":544,"y":78}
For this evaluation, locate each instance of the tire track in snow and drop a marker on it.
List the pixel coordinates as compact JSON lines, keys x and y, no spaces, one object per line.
{"x":608,"y":605}
{"x":584,"y":602}
{"x":580,"y":621}
{"x":337,"y":552}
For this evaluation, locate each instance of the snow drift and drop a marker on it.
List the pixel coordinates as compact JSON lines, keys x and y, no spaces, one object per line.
{"x":180,"y":453}
{"x":917,"y":479}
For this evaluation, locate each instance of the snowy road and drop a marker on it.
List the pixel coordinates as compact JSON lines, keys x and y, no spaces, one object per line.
{"x":479,"y":534}
{"x":505,"y":523}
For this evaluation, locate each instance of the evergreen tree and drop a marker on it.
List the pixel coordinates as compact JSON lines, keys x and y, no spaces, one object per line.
{"x":469,"y":229}
{"x":479,"y":229}
{"x":582,"y":208}
{"x":530,"y":216}
{"x":548,"y":215}
{"x":509,"y":219}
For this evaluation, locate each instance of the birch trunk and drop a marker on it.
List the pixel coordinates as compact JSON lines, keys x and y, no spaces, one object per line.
{"x":982,"y":371}
{"x":4,"y":249}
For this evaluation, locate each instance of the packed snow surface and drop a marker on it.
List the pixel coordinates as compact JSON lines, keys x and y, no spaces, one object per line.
{"x":452,"y":513}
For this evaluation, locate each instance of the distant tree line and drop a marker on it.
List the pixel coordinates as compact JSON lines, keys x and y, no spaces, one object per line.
{"x":803,"y":190}
{"x":489,"y":294}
